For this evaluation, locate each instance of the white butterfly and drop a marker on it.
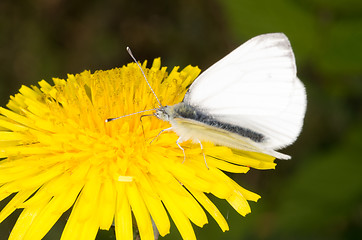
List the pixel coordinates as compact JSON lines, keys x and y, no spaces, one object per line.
{"x":250,"y":100}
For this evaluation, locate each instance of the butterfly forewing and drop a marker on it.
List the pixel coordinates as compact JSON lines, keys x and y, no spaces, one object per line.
{"x":256,"y":87}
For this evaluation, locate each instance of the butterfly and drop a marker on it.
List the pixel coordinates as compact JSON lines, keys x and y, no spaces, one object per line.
{"x":249,"y":100}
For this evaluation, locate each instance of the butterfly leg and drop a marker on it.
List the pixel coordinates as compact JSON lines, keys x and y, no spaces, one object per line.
{"x":147,"y":115}
{"x":164,"y":130}
{"x":183,"y":150}
{"x":203,"y":153}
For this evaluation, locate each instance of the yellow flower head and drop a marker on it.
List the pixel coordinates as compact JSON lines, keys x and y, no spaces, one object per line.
{"x":58,"y":152}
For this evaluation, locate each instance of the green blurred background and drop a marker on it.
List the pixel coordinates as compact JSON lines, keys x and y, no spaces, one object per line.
{"x":317,"y":194}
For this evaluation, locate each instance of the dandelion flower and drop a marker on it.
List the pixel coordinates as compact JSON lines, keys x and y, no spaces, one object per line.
{"x":57,"y":152}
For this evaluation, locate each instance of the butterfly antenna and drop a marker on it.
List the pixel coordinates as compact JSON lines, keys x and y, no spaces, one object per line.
{"x":144,"y":75}
{"x":111,"y":119}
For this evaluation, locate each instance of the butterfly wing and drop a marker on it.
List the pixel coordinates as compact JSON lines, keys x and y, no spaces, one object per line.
{"x":255,"y":86}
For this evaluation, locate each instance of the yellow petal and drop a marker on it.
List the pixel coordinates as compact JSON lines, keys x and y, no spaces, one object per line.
{"x":179,"y":218}
{"x":157,"y":212}
{"x":140,"y":212}
{"x":211,"y":208}
{"x":107,"y":202}
{"x":14,"y":203}
{"x":123,"y":217}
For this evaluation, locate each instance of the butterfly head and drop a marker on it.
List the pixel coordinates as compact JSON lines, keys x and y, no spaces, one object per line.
{"x":163,"y":113}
